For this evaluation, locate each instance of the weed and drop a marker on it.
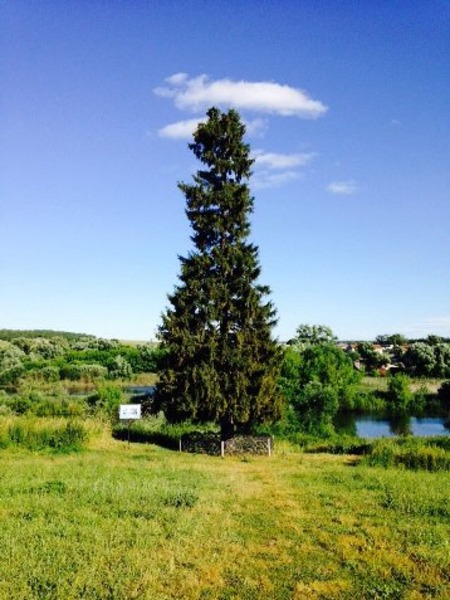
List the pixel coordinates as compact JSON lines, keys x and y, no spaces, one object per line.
{"x":44,"y":434}
{"x":180,"y":499}
{"x":119,"y":521}
{"x":411,"y":453}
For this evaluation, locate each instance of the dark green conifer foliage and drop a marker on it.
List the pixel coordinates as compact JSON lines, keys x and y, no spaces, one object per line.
{"x":221,"y":363}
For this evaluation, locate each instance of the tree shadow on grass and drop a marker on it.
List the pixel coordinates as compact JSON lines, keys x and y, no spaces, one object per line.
{"x":146,"y":437}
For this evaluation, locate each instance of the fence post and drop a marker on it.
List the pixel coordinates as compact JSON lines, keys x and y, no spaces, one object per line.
{"x":222,"y":448}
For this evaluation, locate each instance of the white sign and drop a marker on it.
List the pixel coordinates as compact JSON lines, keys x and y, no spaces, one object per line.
{"x":130,"y":411}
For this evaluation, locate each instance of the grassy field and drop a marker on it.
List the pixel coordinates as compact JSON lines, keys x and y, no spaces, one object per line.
{"x":380,"y":384}
{"x":122,"y":521}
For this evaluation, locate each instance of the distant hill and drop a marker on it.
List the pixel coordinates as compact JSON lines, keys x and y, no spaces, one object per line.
{"x":9,"y":334}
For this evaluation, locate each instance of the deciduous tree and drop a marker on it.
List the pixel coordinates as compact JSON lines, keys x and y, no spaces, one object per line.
{"x":314,"y":334}
{"x":317,"y":379}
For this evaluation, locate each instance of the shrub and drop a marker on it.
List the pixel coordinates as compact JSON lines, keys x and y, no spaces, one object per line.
{"x":88,"y":372}
{"x":444,"y":396}
{"x":91,"y":372}
{"x":120,"y":368}
{"x":106,"y":399}
{"x":11,"y":363}
{"x":399,"y":395}
{"x":33,"y":402}
{"x":316,"y":405}
{"x":368,"y":401}
{"x":20,"y":405}
{"x":70,"y":371}
{"x":420,"y":400}
{"x":59,"y":407}
{"x":56,"y":436}
{"x":50,"y":373}
{"x":411,"y":453}
{"x":335,"y":444}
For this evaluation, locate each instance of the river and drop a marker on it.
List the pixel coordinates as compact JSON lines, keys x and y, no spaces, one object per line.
{"x":377,"y":426}
{"x":366,"y":425}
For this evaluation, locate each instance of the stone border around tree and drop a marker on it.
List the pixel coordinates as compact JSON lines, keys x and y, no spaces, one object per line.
{"x":210,"y":443}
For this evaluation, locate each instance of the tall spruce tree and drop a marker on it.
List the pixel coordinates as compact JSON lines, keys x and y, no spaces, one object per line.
{"x":221,"y":363}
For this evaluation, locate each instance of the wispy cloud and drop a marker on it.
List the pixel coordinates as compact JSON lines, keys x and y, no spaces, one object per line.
{"x":183,"y":130}
{"x":270,"y":179}
{"x":272,"y":160}
{"x":198,"y":93}
{"x":342,"y":188}
{"x":180,"y":130}
{"x":256,"y":127}
{"x":274,"y":169}
{"x":267,"y":97}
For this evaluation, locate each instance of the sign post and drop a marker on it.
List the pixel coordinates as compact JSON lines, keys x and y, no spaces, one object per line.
{"x":129,"y":412}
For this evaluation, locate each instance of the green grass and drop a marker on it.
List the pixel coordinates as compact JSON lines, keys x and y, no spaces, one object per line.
{"x":123,"y":521}
{"x":428,"y":454}
{"x":56,"y":435}
{"x":380,"y":384}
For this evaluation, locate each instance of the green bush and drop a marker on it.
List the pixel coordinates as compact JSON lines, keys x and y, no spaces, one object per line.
{"x":318,"y":379}
{"x":411,"y":453}
{"x":70,"y":371}
{"x":20,"y":405}
{"x":88,"y":372}
{"x":120,"y":368}
{"x":444,"y":396}
{"x":368,"y":401}
{"x":106,"y":399}
{"x":33,"y":402}
{"x":399,"y":395}
{"x":33,"y":435}
{"x":334,"y":444}
{"x":59,"y":407}
{"x":419,"y":400}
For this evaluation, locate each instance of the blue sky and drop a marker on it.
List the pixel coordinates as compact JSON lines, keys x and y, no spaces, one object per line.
{"x":347,"y":106}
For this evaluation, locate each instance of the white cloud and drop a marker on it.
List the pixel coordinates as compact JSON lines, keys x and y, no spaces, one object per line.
{"x":268,"y":179}
{"x":181,"y":130}
{"x":342,"y":188}
{"x":198,"y":93}
{"x":177,"y":78}
{"x":272,"y":160}
{"x":256,"y":127}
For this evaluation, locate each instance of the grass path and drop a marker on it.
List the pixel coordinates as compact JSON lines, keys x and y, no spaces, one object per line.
{"x":123,"y":522}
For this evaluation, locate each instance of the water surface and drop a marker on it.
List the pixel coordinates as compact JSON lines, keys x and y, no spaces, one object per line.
{"x":376,"y":426}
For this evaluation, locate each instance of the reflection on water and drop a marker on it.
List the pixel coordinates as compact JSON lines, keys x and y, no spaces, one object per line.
{"x":140,"y":390}
{"x":400,"y":424}
{"x":376,"y":426}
